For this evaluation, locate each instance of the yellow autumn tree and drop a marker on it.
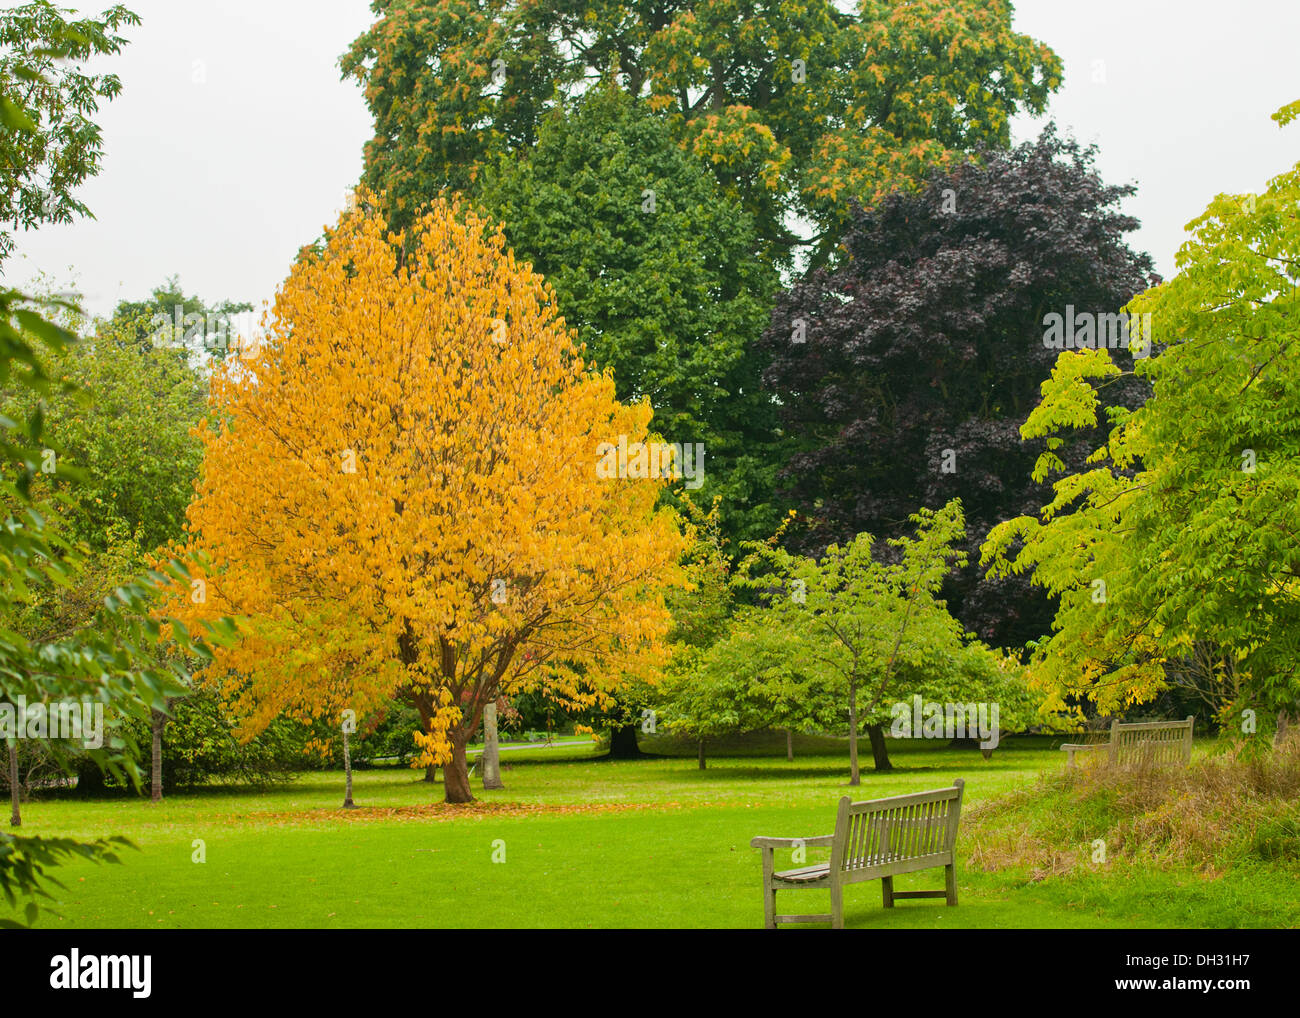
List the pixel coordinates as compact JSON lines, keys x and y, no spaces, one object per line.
{"x":400,"y":494}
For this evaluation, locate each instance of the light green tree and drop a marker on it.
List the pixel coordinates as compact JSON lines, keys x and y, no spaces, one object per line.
{"x":850,"y":634}
{"x":1181,"y":536}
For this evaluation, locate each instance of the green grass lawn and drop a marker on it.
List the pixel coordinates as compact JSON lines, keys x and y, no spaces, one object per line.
{"x":588,"y":843}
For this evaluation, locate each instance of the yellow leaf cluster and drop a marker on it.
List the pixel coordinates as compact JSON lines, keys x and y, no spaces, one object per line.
{"x":399,"y":493}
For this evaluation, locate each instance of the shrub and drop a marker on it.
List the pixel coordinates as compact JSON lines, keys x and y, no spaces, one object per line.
{"x":201,"y":745}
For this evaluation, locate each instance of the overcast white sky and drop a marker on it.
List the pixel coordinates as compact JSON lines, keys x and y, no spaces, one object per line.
{"x":234,"y":140}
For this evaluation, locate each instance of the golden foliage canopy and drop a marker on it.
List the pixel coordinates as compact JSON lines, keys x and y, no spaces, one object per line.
{"x":399,"y":492}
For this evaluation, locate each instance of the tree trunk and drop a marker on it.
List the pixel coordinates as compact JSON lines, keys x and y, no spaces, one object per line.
{"x":491,"y":752}
{"x":789,"y":744}
{"x":156,"y":721}
{"x":1285,"y":722}
{"x":622,"y":743}
{"x":855,"y":776}
{"x":424,"y":705}
{"x":15,"y":794}
{"x":879,"y":748}
{"x":456,"y":774}
{"x":347,"y":770}
{"x":702,"y":764}
{"x":90,"y":779}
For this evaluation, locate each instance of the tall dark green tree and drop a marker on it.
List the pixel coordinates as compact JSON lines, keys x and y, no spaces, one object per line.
{"x":650,"y":261}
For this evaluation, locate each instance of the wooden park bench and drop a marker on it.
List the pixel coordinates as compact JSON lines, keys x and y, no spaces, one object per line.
{"x":875,"y":840}
{"x":1153,"y":742}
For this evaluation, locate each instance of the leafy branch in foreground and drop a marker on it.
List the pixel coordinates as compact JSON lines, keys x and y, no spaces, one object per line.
{"x":24,"y":862}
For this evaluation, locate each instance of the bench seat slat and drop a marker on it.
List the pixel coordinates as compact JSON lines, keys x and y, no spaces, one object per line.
{"x":804,"y":874}
{"x":896,"y":867}
{"x":895,"y":801}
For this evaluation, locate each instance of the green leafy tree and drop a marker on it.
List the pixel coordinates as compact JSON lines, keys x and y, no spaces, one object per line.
{"x":204,"y":745}
{"x":870,"y":632}
{"x":804,"y":641}
{"x":170,"y":318}
{"x":745,"y":682}
{"x":1179,"y":538}
{"x":702,"y":693}
{"x":50,"y":144}
{"x":795,"y":107}
{"x":114,"y":658}
{"x":125,"y":408}
{"x":651,"y":262}
{"x":123,"y":412}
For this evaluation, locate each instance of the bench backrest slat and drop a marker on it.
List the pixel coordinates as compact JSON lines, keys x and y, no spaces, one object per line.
{"x":895,"y":829}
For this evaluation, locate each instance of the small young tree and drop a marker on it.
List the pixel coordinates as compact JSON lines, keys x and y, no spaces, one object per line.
{"x":855,"y":623}
{"x":745,"y":682}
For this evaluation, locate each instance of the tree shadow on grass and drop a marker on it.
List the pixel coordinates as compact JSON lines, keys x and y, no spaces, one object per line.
{"x":722,"y":771}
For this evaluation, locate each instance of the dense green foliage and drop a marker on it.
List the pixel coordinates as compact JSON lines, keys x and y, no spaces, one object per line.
{"x":846,"y":634}
{"x":795,"y":107}
{"x":201,"y":744}
{"x":123,"y":415}
{"x":106,"y":651}
{"x":651,"y":262}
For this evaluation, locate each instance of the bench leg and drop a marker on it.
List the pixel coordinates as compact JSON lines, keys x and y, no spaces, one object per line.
{"x":887,"y":891}
{"x":769,"y":892}
{"x":837,"y":906}
{"x":950,"y":882}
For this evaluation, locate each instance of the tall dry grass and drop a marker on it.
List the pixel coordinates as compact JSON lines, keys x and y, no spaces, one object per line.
{"x":1220,"y":809}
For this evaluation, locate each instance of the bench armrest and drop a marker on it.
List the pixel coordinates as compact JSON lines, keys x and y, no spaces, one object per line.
{"x":821,"y":841}
{"x":1084,"y":745}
